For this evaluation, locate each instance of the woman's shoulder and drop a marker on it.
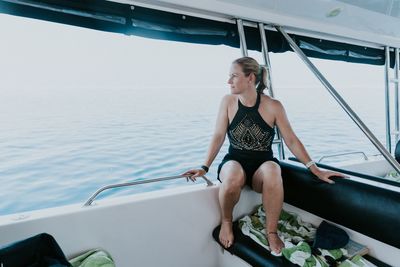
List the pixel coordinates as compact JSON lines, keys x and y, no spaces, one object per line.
{"x":229,"y":99}
{"x":267,"y":100}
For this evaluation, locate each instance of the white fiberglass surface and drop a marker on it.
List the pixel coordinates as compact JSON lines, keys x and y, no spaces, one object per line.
{"x":388,"y":7}
{"x":169,"y":229}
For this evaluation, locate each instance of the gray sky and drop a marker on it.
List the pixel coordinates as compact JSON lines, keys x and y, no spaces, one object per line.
{"x":37,"y":54}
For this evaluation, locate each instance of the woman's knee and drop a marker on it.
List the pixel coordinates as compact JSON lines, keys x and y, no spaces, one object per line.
{"x":271,"y":174}
{"x":232,"y":175}
{"x":274,"y":180}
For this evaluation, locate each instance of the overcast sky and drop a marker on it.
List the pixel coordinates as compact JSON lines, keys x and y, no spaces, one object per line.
{"x":38,"y":54}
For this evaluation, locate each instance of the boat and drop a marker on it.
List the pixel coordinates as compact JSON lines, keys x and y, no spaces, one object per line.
{"x":173,"y":227}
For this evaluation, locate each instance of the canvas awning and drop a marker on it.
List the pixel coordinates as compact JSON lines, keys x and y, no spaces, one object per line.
{"x":160,"y":24}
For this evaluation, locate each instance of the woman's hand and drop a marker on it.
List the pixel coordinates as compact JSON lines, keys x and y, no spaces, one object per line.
{"x":325,"y":175}
{"x":192,"y":174}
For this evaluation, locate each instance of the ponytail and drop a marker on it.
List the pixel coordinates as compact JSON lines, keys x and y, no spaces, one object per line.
{"x":261,"y":79}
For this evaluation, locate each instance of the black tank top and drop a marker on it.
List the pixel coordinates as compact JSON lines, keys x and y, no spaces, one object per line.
{"x":249,"y":135}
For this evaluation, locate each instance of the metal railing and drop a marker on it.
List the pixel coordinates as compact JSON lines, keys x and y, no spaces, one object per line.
{"x":396,"y":94}
{"x":267,"y":61}
{"x":343,"y":154}
{"x":242,"y":38}
{"x":387,"y":99}
{"x":111,"y":186}
{"x":341,"y":101}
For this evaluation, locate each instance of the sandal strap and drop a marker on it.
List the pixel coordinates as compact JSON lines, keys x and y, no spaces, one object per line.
{"x":272,"y":233}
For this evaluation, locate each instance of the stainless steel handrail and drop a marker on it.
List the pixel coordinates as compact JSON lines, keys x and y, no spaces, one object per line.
{"x":264,"y":46}
{"x":242,"y":37}
{"x":396,"y":94}
{"x":343,"y":154}
{"x":387,"y":99}
{"x":111,"y":186}
{"x":267,"y":61}
{"x":341,"y":101}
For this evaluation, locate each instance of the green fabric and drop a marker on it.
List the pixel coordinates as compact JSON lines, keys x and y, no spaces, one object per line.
{"x":296,"y":235}
{"x":93,"y":258}
{"x":300,"y":254}
{"x":393,"y":175}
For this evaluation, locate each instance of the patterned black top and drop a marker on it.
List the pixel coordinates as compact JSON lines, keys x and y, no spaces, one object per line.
{"x":249,"y":135}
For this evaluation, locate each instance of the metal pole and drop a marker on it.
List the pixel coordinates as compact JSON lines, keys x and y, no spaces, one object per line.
{"x":111,"y":186}
{"x":396,"y":93}
{"x":387,"y":107}
{"x":264,"y":46}
{"x":242,"y":37}
{"x":341,"y":101}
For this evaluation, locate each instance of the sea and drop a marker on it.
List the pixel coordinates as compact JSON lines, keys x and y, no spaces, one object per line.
{"x":57,"y":148}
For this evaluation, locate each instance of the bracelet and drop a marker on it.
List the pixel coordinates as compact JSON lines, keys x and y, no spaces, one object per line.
{"x":204,"y":167}
{"x":309,"y":164}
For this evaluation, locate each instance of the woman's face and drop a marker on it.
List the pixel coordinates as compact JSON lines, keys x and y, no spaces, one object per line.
{"x":238,"y":80}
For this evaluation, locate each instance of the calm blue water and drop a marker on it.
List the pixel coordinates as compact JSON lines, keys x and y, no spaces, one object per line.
{"x":59,"y":145}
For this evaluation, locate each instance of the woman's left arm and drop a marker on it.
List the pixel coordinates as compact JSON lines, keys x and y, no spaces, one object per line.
{"x":295,"y":145}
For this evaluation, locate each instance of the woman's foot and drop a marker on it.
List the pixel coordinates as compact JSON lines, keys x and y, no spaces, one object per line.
{"x":226,"y":234}
{"x":275,"y":243}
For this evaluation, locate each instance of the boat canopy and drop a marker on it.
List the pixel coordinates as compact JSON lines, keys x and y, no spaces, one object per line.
{"x":205,"y":23}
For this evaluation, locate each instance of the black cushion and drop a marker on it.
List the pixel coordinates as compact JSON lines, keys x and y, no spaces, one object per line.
{"x":41,"y":250}
{"x":397,"y":151}
{"x":329,"y":237}
{"x":364,"y":208}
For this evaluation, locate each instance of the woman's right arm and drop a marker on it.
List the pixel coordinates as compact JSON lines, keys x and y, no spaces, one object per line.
{"x":217,"y":139}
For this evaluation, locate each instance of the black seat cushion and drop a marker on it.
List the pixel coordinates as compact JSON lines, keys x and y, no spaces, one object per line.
{"x":397,"y":152}
{"x":40,"y":250}
{"x":370,"y":210}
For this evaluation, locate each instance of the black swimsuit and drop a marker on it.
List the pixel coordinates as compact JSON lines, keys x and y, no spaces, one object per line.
{"x":250,"y":139}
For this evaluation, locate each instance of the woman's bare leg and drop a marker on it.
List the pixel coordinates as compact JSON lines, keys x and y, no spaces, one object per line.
{"x":233,"y":180}
{"x":268,"y":181}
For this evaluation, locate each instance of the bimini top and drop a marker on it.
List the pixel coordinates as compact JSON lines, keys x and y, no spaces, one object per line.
{"x":336,"y":30}
{"x":374,"y":21}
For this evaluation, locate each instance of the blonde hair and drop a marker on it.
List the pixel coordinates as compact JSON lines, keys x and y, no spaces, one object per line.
{"x":249,"y":65}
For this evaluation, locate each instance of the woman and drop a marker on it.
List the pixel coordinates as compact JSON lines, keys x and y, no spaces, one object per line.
{"x":248,"y":117}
